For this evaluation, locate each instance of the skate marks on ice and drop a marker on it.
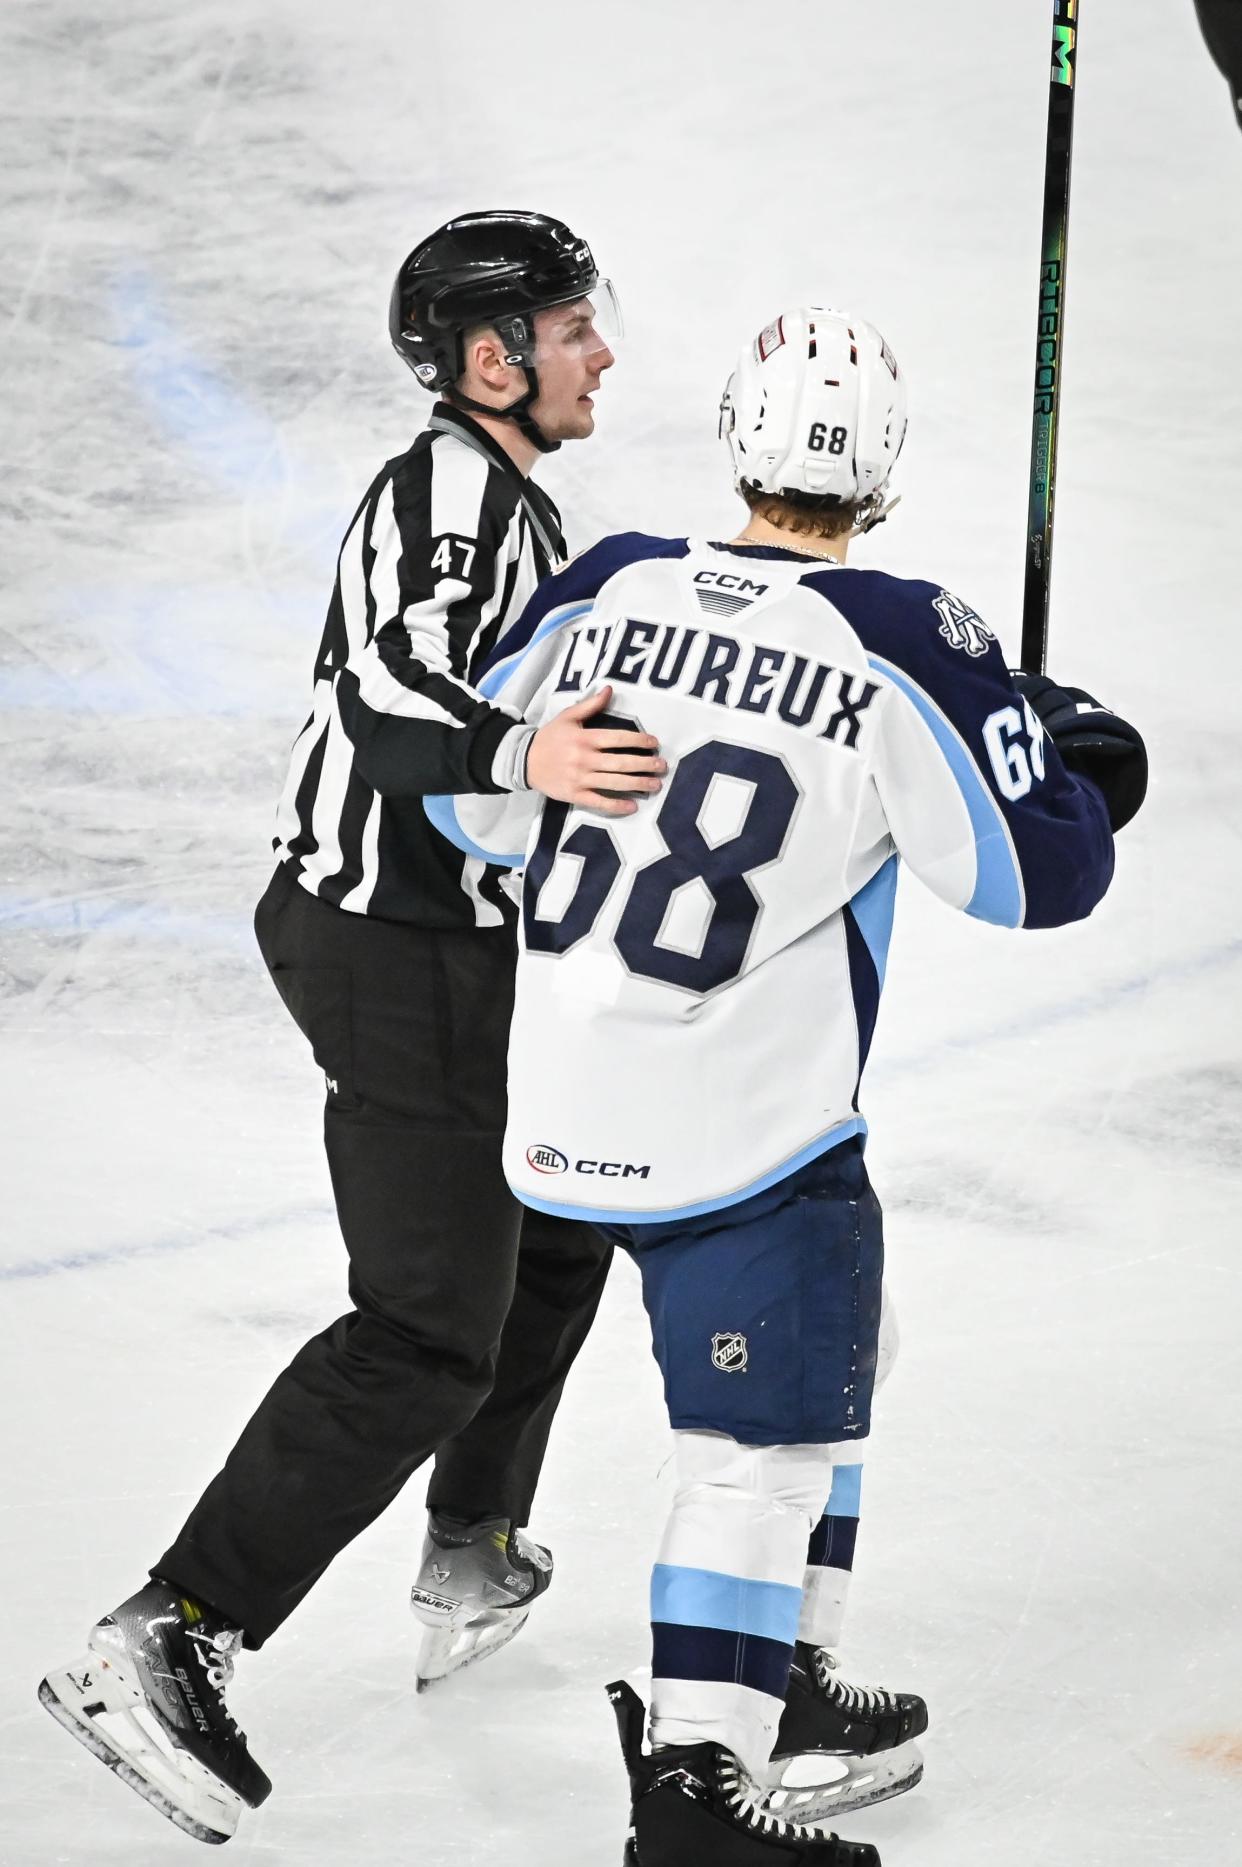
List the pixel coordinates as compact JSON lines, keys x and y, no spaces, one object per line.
{"x":1201,"y":1106}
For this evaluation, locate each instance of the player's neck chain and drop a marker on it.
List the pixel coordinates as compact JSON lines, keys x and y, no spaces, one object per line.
{"x":802,"y":551}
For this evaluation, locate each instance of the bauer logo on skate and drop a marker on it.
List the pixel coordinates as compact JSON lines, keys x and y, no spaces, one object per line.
{"x":546,"y":1159}
{"x":730,"y":1353}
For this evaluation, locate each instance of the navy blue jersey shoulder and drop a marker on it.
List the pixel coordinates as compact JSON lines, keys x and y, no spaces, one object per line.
{"x":917,"y":626}
{"x":941,"y":654}
{"x":580,"y":580}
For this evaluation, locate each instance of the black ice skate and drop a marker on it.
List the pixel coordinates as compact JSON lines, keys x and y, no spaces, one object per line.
{"x":841,"y":1746}
{"x":695,"y":1806}
{"x":148,"y":1700}
{"x":474,"y":1591}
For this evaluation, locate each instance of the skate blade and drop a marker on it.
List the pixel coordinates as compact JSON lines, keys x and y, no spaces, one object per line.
{"x":134,"y":1745}
{"x":450,"y":1650}
{"x":814,"y":1788}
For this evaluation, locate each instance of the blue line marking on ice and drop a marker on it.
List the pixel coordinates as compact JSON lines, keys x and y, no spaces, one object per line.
{"x":61,"y":914}
{"x":933,"y":1057}
{"x":197,"y":407}
{"x":706,"y":1598}
{"x":1039,"y":1019}
{"x":998,"y":883}
{"x":845,"y":1499}
{"x":442,"y":812}
{"x":873,"y":908}
{"x":71,"y":917}
{"x":34,"y":1269}
{"x":172,"y":654}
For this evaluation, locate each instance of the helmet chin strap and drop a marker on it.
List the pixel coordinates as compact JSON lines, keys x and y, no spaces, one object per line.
{"x":518,"y":412}
{"x":875,"y":517}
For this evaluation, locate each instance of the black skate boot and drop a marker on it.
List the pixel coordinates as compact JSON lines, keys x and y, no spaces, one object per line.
{"x":695,"y":1806}
{"x":841,"y":1746}
{"x":474,"y":1591}
{"x":148,"y":1700}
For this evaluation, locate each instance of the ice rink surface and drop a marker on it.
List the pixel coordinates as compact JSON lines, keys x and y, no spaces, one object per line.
{"x":203,"y":207}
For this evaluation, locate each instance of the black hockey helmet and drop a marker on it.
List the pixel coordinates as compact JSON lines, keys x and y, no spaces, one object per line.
{"x":497,"y":268}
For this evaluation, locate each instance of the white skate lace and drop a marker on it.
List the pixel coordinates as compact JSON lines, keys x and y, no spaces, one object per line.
{"x":852,"y":1698}
{"x":743,"y":1797}
{"x":221,"y":1647}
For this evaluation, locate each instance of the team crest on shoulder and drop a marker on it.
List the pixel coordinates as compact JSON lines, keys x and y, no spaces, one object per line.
{"x":730,"y":1353}
{"x":960,"y":626}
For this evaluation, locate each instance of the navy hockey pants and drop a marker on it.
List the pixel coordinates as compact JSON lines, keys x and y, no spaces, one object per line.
{"x":765,"y":1316}
{"x":467,"y":1314}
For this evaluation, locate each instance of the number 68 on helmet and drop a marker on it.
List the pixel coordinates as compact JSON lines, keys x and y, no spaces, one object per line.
{"x":815,"y":410}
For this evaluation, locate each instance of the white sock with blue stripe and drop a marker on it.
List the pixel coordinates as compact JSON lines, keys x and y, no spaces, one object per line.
{"x":726,"y":1594}
{"x":830,"y":1556}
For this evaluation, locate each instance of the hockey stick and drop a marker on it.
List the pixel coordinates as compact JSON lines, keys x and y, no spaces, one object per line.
{"x":1048,"y":346}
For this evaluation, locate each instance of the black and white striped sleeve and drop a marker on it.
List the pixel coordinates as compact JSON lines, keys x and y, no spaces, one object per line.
{"x":423,"y":573}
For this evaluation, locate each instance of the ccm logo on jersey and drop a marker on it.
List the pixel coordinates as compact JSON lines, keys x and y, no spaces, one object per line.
{"x":551,"y":1160}
{"x":726,"y":580}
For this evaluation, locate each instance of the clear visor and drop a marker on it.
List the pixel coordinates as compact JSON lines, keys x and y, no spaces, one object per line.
{"x":582,"y":331}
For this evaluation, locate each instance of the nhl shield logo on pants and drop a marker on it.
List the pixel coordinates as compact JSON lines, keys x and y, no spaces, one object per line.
{"x":729,"y":1353}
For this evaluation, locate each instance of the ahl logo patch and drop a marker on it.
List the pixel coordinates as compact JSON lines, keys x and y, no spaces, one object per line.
{"x":730,"y":1353}
{"x":960,"y":626}
{"x":769,"y":340}
{"x":546,"y":1159}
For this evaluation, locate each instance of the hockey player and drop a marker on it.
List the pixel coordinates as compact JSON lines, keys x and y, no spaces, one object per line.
{"x":1221,"y":21}
{"x":698,"y":986}
{"x":395,"y":956}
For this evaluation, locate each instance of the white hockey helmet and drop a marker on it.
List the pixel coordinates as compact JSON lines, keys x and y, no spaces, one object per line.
{"x":815,"y":409}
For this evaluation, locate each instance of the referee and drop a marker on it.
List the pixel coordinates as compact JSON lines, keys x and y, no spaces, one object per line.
{"x":395,"y":956}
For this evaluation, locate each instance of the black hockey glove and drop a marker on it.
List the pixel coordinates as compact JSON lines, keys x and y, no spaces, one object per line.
{"x":1093,"y":741}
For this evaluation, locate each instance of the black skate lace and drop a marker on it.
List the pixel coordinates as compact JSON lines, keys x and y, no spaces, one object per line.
{"x":744,"y":1798}
{"x":854,"y":1698}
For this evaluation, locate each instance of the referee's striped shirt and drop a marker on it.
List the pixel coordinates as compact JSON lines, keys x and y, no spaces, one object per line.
{"x":441,"y":557}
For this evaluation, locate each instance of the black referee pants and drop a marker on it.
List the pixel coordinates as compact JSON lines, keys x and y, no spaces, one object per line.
{"x":1221,"y":21}
{"x":410,"y":1027}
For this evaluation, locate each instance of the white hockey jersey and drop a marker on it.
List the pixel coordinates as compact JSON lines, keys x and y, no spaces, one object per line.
{"x":698,"y":983}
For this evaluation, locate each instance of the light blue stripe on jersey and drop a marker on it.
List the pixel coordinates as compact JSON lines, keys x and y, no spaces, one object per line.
{"x":442,"y":813}
{"x":872,"y":908}
{"x":705,"y":1598}
{"x":618,"y":1216}
{"x":496,"y":677}
{"x":441,"y":810}
{"x":845,"y":1499}
{"x":998,"y":895}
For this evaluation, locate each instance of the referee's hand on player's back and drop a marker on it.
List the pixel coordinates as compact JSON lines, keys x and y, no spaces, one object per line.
{"x":578,"y":763}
